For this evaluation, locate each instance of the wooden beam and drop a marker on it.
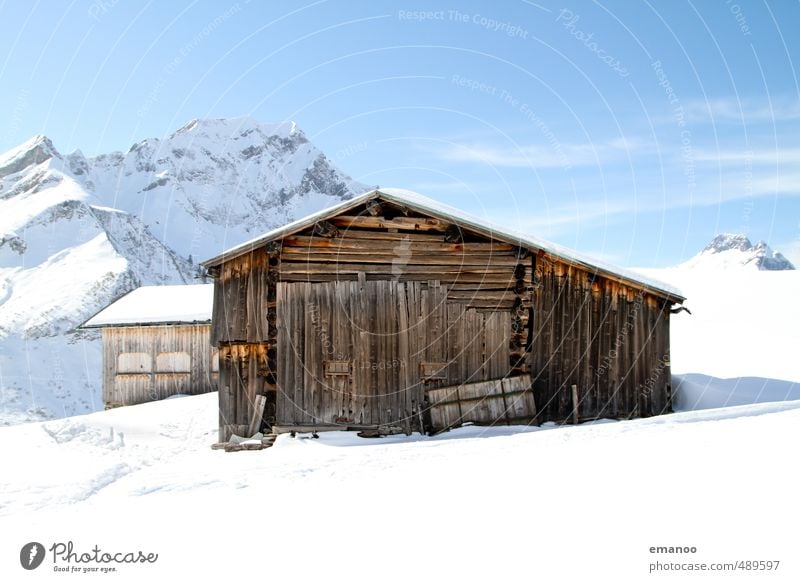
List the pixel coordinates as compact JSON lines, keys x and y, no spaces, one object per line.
{"x":493,"y":279}
{"x":505,"y":295}
{"x":482,"y":397}
{"x":299,"y":243}
{"x":288,"y":268}
{"x":399,"y":222}
{"x":575,"y":404}
{"x":258,"y":414}
{"x":481,"y":287}
{"x":485,"y":304}
{"x":399,"y":260}
{"x":384,"y":235}
{"x":325,"y":229}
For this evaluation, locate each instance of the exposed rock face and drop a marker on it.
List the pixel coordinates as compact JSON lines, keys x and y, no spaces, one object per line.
{"x":217,"y":182}
{"x":728,"y":242}
{"x":34,"y":151}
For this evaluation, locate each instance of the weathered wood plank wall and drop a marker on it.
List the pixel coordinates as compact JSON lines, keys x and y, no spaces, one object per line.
{"x":243,"y":327}
{"x":241,"y":297}
{"x":244,"y":371}
{"x":142,"y":364}
{"x":609,"y":340}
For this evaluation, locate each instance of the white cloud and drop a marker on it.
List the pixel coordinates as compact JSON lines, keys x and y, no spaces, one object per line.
{"x":777,"y":183}
{"x":522,"y":157}
{"x":553,"y":155}
{"x":623,"y":191}
{"x":731,"y":109}
{"x":552,"y":221}
{"x":728,"y":188}
{"x":761,"y":156}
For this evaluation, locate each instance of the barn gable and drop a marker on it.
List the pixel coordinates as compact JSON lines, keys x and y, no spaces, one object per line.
{"x":391,"y":310}
{"x":409,"y":202}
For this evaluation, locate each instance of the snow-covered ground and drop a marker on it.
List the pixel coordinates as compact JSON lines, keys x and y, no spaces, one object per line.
{"x":743,"y":322}
{"x":740,"y":343}
{"x":48,"y":376}
{"x":699,"y":391}
{"x":550,"y":503}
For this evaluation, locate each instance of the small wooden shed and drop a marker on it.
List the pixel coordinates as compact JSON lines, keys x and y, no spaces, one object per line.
{"x":156,"y":344}
{"x":391,"y":311}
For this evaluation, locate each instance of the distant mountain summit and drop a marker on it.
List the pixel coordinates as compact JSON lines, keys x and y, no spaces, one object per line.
{"x":34,"y":151}
{"x":736,"y":250}
{"x":214,"y":183}
{"x":728,"y":242}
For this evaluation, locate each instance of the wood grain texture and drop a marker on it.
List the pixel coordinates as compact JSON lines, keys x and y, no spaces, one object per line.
{"x":159,"y":345}
{"x":490,"y":402}
{"x":388,"y":330}
{"x":609,"y":340}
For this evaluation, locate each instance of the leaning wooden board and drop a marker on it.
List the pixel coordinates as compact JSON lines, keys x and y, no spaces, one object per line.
{"x":499,"y":401}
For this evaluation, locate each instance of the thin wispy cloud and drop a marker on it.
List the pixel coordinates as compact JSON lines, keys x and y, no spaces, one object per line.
{"x":711,"y":190}
{"x":777,"y":183}
{"x":553,"y":221}
{"x":458,"y":187}
{"x":554,"y":155}
{"x":760,"y":156}
{"x":716,"y":189}
{"x":732,"y":110}
{"x":627,"y":177}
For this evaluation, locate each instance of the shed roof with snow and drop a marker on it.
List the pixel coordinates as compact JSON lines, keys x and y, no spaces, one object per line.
{"x":158,"y":304}
{"x":156,"y":344}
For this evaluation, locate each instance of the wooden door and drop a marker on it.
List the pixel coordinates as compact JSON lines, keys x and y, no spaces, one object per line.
{"x":363,"y":353}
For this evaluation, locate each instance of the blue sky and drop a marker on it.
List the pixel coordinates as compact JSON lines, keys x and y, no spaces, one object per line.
{"x":633,"y":131}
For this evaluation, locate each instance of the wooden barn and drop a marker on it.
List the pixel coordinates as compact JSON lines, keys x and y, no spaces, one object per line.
{"x":391,"y":312}
{"x":156,"y":344}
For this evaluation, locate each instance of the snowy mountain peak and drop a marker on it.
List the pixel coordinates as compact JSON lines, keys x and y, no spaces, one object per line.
{"x":33,"y":152}
{"x":736,"y":250}
{"x":236,"y":127}
{"x":727,"y":242}
{"x":215,"y":182}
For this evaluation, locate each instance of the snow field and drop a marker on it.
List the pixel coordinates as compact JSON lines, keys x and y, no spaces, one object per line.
{"x":507,"y":502}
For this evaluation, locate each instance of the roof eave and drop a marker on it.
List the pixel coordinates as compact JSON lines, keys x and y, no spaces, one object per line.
{"x":144,"y":324}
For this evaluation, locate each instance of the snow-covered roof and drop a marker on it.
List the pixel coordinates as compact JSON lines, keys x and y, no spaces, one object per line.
{"x":425,"y":205}
{"x":158,"y":304}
